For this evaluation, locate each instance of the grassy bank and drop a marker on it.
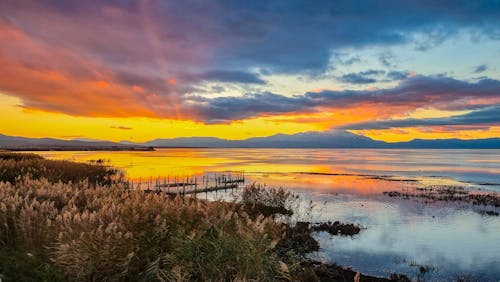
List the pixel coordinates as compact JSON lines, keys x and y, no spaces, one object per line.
{"x":55,"y":226}
{"x":102,"y":233}
{"x":15,"y":166}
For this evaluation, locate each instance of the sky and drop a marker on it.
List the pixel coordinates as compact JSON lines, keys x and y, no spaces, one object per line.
{"x":145,"y":69}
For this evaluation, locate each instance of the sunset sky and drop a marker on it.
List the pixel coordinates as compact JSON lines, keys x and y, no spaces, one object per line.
{"x":140,"y":70}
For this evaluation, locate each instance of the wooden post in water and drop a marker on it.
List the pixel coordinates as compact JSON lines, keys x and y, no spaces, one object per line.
{"x":175,"y":182}
{"x":195,"y":186}
{"x":184,"y":187}
{"x":168,"y":184}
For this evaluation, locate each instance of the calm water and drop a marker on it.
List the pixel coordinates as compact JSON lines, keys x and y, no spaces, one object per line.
{"x":400,"y":236}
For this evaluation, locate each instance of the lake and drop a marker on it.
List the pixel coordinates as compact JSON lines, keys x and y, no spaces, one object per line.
{"x":424,"y":239}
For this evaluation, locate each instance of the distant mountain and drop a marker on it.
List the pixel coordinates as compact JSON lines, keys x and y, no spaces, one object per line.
{"x":334,"y":139}
{"x":489,"y":143}
{"x":330,"y":139}
{"x":39,"y":144}
{"x":190,"y":142}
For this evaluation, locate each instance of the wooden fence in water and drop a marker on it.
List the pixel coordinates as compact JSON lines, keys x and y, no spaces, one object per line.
{"x":189,"y":184}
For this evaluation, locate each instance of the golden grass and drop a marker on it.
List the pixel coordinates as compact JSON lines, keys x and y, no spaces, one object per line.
{"x":14,"y":166}
{"x":113,"y":234}
{"x":66,"y":221}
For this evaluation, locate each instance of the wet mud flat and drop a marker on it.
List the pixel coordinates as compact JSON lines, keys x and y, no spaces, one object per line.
{"x":299,"y":242}
{"x":447,"y":193}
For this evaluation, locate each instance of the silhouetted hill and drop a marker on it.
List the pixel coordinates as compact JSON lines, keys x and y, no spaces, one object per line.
{"x":331,"y":139}
{"x":489,"y":143}
{"x":47,"y":144}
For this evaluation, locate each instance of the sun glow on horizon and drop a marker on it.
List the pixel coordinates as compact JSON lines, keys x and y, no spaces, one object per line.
{"x":18,"y":121}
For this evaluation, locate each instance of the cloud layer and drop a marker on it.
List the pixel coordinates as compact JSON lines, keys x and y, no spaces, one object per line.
{"x":439,"y":92}
{"x":147,"y":58}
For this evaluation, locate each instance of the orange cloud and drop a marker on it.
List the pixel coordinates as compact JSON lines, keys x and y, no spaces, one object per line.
{"x":88,"y":90}
{"x":102,"y":84}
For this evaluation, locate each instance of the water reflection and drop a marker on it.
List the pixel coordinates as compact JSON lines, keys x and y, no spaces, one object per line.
{"x":347,"y":185}
{"x":477,"y":166}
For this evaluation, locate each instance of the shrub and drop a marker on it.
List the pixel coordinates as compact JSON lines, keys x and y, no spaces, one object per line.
{"x":262,"y":200}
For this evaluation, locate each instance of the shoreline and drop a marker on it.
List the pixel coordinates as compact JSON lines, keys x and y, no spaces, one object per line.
{"x":77,"y":149}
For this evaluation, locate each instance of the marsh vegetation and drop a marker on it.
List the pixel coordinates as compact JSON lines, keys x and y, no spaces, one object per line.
{"x":64,"y":221}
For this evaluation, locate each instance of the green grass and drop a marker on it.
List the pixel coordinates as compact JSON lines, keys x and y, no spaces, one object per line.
{"x":23,"y":266}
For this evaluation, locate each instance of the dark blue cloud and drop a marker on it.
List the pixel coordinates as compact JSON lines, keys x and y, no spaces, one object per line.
{"x":283,"y":36}
{"x":230,"y":76}
{"x":225,"y":109}
{"x":372,"y":72}
{"x":364,"y":77}
{"x":356,"y":78}
{"x":480,"y":68}
{"x":432,"y":91}
{"x":371,"y":76}
{"x":352,"y":61}
{"x":338,"y":24}
{"x":387,"y":59}
{"x":398,"y":75}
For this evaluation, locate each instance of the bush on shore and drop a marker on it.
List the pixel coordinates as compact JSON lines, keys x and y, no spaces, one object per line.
{"x":261,"y":200}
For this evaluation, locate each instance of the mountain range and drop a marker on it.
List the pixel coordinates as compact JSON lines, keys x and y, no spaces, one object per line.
{"x":50,"y":144}
{"x":330,"y":139}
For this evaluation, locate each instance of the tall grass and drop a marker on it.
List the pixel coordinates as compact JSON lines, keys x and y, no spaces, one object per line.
{"x":65,"y":221}
{"x":261,"y":200}
{"x":113,"y":234}
{"x":14,"y":166}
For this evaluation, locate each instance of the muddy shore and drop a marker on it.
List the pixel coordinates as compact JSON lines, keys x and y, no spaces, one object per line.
{"x":299,"y":242}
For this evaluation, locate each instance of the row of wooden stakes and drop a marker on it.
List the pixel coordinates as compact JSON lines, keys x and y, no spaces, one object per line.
{"x":189,"y":184}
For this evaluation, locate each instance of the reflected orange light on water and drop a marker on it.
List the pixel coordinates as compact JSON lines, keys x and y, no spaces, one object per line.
{"x":276,"y":170}
{"x":175,"y":162}
{"x":354,"y":171}
{"x":353,"y":184}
